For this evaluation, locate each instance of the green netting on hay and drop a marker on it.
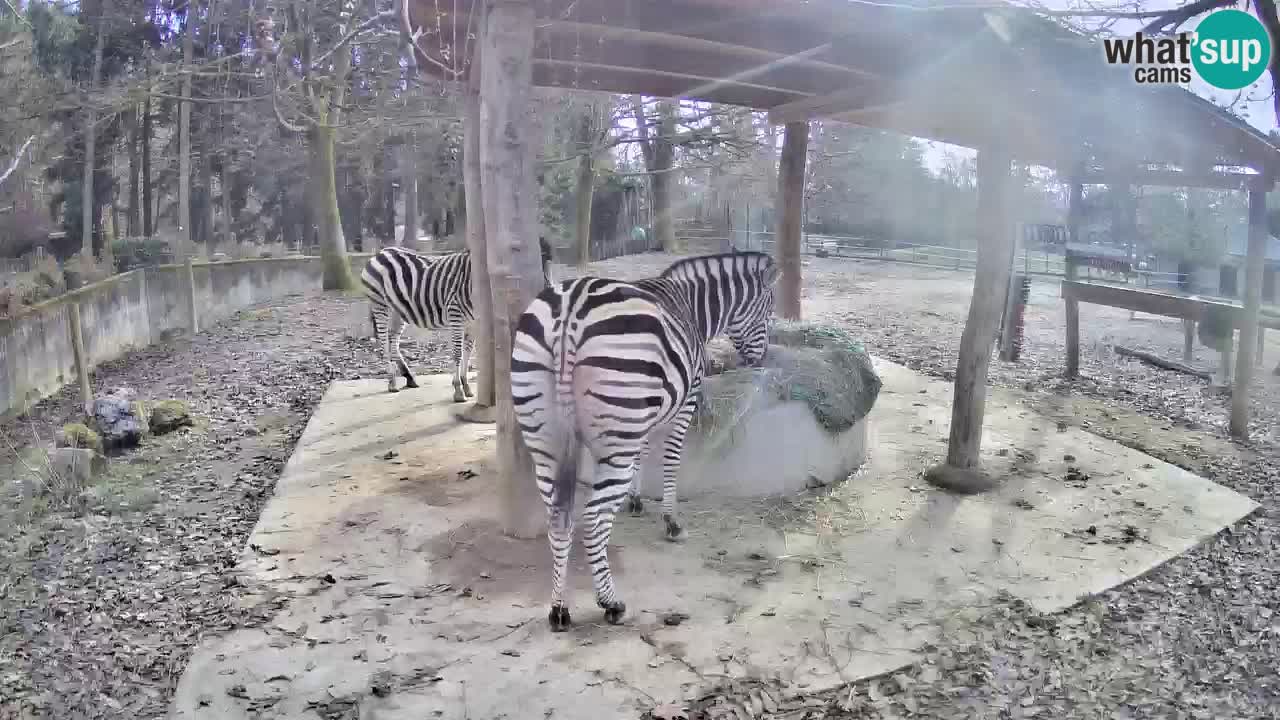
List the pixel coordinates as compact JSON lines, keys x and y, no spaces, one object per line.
{"x":821,"y":366}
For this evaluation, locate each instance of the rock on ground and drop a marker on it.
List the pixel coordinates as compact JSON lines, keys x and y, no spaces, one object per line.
{"x":117,"y":420}
{"x":169,"y":415}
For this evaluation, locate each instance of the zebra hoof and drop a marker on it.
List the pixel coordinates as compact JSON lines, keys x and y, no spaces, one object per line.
{"x":613,"y":613}
{"x":411,"y":383}
{"x":459,"y":397}
{"x":675,"y":533}
{"x":467,"y":391}
{"x":393,"y":389}
{"x":559,"y":618}
{"x":634,"y":504}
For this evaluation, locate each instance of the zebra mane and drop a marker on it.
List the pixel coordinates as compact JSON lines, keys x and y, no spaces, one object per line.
{"x":766,"y":266}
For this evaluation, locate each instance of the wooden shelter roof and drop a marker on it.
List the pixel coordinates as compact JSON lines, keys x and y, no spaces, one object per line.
{"x":966,"y":75}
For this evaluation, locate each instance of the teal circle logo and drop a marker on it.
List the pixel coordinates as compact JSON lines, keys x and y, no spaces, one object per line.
{"x":1232,"y":49}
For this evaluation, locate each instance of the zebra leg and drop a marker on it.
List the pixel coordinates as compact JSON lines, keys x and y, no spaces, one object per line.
{"x":554,"y":460}
{"x":559,"y":537}
{"x":613,"y":477}
{"x":672,"y":448}
{"x":382,"y":334}
{"x":633,"y":503}
{"x":459,"y":374}
{"x":468,"y":346}
{"x":471,"y":354}
{"x":396,"y":331}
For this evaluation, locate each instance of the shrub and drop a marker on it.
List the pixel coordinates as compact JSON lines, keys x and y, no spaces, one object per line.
{"x":79,"y":435}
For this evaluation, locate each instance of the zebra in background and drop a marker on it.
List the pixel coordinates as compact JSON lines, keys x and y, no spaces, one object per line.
{"x":432,"y":292}
{"x":598,"y":364}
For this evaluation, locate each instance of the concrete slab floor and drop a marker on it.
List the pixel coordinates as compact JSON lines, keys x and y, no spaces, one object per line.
{"x":398,"y":597}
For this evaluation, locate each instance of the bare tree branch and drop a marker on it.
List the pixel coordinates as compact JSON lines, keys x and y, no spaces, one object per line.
{"x":383,"y":16}
{"x":1171,"y":20}
{"x":17,"y":159}
{"x":17,"y":14}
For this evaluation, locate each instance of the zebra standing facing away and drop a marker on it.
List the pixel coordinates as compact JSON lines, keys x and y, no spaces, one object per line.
{"x":432,"y":292}
{"x":598,"y":364}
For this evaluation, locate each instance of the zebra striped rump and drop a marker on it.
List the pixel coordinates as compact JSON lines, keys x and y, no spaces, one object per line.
{"x":598,"y":364}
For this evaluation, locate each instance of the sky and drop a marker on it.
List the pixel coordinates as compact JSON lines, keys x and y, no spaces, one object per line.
{"x":1255,"y":107}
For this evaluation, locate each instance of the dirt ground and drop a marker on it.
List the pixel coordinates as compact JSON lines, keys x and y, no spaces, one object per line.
{"x":100,"y":610}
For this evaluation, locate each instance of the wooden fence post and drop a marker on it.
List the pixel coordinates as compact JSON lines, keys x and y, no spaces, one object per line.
{"x":1252,"y":302}
{"x":1188,"y":339}
{"x":189,"y":275}
{"x":76,"y":329}
{"x":1070,"y":273}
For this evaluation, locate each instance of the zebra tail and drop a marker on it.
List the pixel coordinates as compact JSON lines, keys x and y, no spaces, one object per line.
{"x":565,"y":482}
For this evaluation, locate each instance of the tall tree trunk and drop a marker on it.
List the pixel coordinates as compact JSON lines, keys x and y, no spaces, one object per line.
{"x":389,"y":212}
{"x":664,"y":226}
{"x":481,"y":290}
{"x":87,"y":199}
{"x":205,"y":224}
{"x":324,"y":203}
{"x":184,"y":249}
{"x":289,"y":223}
{"x":515,"y":264}
{"x":409,"y":185}
{"x":148,"y":225}
{"x":585,"y":183}
{"x":132,"y":224}
{"x":659,"y":156}
{"x":664,"y":155}
{"x":333,"y":245}
{"x":226,"y":202}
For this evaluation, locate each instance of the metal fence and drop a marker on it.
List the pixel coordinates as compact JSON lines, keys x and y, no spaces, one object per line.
{"x":1043,"y":263}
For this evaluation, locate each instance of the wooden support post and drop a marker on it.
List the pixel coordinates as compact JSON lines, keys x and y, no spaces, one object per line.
{"x":1071,"y":272}
{"x":1262,"y":346}
{"x":75,"y":328}
{"x":795,"y":150}
{"x":481,"y":290}
{"x":1254,"y":259}
{"x":1188,"y":339}
{"x":1011,"y":297}
{"x":515,"y":260}
{"x":962,"y":471}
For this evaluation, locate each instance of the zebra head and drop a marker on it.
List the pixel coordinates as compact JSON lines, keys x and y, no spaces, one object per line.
{"x":747,"y":323}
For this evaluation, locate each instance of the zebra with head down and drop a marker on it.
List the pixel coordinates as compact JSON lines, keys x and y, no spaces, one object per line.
{"x":598,"y":364}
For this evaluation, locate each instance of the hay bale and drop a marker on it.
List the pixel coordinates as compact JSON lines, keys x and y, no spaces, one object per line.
{"x":821,"y":366}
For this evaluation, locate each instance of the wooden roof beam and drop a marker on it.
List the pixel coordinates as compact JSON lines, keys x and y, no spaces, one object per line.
{"x":1175,"y":178}
{"x":565,"y":76}
{"x":693,"y":59}
{"x":812,"y":59}
{"x":699,"y":83}
{"x":870,"y":97}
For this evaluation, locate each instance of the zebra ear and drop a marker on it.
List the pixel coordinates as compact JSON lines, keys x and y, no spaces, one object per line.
{"x":772,"y":275}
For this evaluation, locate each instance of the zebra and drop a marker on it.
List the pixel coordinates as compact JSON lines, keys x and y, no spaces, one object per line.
{"x":432,"y":292}
{"x":597,"y":364}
